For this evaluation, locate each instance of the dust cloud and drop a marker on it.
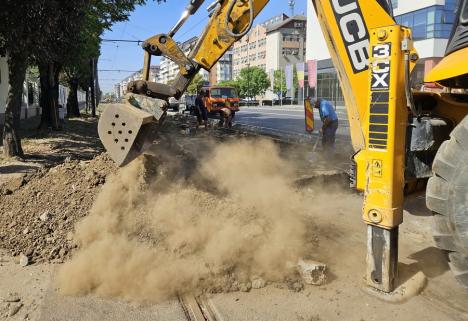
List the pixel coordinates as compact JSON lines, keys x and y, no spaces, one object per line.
{"x":235,"y":217}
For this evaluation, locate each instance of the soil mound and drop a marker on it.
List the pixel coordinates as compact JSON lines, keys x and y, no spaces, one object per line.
{"x":36,"y":219}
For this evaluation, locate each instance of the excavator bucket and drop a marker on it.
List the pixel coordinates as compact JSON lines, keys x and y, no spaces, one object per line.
{"x":128,"y":129}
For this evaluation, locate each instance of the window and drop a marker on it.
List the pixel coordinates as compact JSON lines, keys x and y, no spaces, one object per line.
{"x":464,"y":15}
{"x":431,"y":22}
{"x":328,"y":87}
{"x":298,"y":25}
{"x":223,"y":92}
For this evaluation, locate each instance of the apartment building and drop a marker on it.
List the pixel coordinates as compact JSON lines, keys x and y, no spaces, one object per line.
{"x":120,"y":89}
{"x":251,"y":50}
{"x":271,"y":45}
{"x":286,"y":45}
{"x":222,"y":71}
{"x":169,"y":70}
{"x":430,"y":20}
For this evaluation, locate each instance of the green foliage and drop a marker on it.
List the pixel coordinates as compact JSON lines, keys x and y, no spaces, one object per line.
{"x":253,"y":81}
{"x":196,"y":84}
{"x":230,"y":83}
{"x":280,"y":82}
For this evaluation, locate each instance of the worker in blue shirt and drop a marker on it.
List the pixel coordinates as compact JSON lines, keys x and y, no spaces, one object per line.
{"x":329,"y":122}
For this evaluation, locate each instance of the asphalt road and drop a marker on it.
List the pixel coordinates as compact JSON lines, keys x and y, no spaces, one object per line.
{"x":288,"y":119}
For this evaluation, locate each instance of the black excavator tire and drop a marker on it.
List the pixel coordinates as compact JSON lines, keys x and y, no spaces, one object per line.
{"x":447,"y":197}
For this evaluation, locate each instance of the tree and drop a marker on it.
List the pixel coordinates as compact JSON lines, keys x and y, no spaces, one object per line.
{"x":44,"y":33}
{"x":196,"y":84}
{"x":253,"y":81}
{"x":280,"y":82}
{"x":18,"y":39}
{"x":230,"y":83}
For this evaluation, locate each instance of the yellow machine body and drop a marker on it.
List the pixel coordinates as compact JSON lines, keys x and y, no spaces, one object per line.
{"x":373,"y":57}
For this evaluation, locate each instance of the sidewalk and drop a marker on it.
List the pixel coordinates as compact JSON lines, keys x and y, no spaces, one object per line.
{"x":288,"y":107}
{"x":78,"y":140}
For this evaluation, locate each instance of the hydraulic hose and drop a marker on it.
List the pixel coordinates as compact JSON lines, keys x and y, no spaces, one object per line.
{"x":408,"y":92}
{"x":251,"y":18}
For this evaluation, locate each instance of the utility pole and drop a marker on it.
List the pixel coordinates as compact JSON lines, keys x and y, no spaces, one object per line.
{"x":92,"y":85}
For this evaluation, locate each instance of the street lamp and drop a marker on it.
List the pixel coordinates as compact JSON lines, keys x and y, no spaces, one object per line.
{"x":292,"y":4}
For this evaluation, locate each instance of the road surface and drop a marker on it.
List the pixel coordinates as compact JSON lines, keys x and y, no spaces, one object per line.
{"x":288,"y":119}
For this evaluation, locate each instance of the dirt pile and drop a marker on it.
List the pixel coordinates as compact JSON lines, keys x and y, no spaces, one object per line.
{"x":36,"y":219}
{"x":217,"y":225}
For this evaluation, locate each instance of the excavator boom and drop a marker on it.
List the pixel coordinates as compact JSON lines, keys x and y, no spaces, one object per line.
{"x":373,"y":57}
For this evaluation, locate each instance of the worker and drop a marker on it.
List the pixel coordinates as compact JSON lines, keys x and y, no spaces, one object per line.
{"x":200,"y":110}
{"x":329,"y":122}
{"x":225,"y":117}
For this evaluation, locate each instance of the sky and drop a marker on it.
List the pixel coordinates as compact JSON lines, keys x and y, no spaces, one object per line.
{"x":152,"y":19}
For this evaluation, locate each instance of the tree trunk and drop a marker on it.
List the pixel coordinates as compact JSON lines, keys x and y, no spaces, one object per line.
{"x":44,"y":96}
{"x":92,"y":85}
{"x":73,"y":109}
{"x":87,"y":100}
{"x":17,"y":65}
{"x":96,"y":83}
{"x":48,"y":74}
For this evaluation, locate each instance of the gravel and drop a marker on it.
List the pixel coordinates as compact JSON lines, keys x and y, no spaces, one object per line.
{"x":38,"y":217}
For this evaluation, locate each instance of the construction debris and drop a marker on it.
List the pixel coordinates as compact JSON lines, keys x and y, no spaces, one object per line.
{"x":36,"y":219}
{"x":23,"y":260}
{"x":312,"y":272}
{"x":258,"y":283}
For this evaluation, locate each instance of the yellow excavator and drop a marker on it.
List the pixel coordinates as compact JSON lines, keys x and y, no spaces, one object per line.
{"x":400,"y":136}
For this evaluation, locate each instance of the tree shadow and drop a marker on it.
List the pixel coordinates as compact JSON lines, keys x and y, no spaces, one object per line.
{"x":17,"y":168}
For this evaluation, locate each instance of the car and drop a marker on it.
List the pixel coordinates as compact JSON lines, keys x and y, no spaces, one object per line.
{"x":189,"y":102}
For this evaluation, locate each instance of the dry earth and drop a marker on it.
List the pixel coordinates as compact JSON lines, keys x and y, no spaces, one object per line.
{"x":39,"y":211}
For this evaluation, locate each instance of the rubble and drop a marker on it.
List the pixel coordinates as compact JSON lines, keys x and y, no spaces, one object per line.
{"x":312,"y":272}
{"x":258,"y":283}
{"x":45,"y":216}
{"x":23,"y":260}
{"x":37,"y":219}
{"x":245,"y":287}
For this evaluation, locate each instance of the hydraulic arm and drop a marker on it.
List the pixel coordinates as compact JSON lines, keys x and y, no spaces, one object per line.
{"x":229,"y":21}
{"x":373,"y":57}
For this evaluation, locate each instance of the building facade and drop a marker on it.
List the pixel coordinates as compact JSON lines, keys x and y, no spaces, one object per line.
{"x":222,"y":71}
{"x":286,"y":45}
{"x":430,"y":20}
{"x":271,"y":45}
{"x":29,"y":99}
{"x":120,"y":89}
{"x":252,"y":50}
{"x":169,"y":70}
